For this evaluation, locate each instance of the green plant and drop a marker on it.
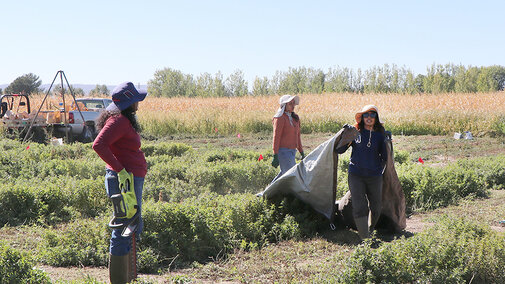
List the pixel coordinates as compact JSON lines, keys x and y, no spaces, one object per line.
{"x":17,"y":267}
{"x":452,"y":251}
{"x":83,"y":242}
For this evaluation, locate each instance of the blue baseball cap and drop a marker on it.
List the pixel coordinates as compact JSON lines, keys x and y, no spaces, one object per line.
{"x":125,"y":94}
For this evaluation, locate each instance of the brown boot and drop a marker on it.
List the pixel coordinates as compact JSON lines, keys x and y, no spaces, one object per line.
{"x":118,"y":269}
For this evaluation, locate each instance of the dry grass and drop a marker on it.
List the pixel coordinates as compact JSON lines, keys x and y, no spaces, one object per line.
{"x":415,"y":114}
{"x":409,"y":114}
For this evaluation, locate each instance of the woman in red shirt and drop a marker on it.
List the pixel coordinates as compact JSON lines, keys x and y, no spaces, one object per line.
{"x":118,"y":144}
{"x":286,"y":137}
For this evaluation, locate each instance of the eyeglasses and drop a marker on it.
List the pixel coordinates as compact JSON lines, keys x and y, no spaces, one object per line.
{"x":370,"y":114}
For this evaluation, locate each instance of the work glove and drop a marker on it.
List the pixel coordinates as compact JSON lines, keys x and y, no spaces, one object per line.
{"x":124,"y":176}
{"x":348,"y":135}
{"x":348,"y":126}
{"x":302,"y":154}
{"x":275,"y":161}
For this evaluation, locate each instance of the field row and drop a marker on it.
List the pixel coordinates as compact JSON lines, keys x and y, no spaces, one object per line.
{"x":403,"y":114}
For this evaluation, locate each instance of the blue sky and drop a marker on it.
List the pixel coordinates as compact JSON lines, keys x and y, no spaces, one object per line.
{"x":108,"y":42}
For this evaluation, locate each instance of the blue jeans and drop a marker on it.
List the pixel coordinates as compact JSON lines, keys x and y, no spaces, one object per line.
{"x":122,"y":245}
{"x":286,"y":160}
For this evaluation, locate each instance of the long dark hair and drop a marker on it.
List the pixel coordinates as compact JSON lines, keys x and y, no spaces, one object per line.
{"x":377,"y":126}
{"x":295,"y":116}
{"x":129,"y":113}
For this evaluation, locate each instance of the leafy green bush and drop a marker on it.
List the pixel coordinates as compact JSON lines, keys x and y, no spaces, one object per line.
{"x":51,"y":200}
{"x":428,"y":188}
{"x":17,"y":267}
{"x":401,"y":156}
{"x":222,"y":171}
{"x":199,"y":228}
{"x":170,"y":149}
{"x":82,"y":242}
{"x":498,"y":126}
{"x":491,"y":169}
{"x":148,"y":261}
{"x":452,"y":251}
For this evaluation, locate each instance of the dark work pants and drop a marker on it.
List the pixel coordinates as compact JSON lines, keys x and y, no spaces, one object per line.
{"x":365,"y":191}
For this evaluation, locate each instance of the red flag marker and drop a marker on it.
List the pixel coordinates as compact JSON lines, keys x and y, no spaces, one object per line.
{"x":420,"y":160}
{"x":260,"y":158}
{"x":27,"y":147}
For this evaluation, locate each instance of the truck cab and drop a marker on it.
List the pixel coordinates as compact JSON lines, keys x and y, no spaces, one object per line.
{"x":90,"y":108}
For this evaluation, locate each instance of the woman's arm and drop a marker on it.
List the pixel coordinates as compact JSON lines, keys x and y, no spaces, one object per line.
{"x":278,"y":123}
{"x":110,"y":133}
{"x":300,"y":147}
{"x":344,"y":148}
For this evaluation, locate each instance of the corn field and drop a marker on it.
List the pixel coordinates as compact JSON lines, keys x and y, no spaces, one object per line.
{"x":482,"y":113}
{"x":436,"y":114}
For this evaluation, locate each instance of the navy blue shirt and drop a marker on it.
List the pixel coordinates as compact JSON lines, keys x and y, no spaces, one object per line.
{"x":367,"y":159}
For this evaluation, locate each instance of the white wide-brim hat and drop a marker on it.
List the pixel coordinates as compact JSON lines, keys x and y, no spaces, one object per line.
{"x":282,"y":104}
{"x":368,"y":108}
{"x":287,"y":98}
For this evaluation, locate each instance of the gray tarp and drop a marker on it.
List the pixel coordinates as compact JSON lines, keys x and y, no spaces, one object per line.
{"x":313,"y":181}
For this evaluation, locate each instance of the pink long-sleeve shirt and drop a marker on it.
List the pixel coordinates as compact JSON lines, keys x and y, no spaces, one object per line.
{"x":286,"y":135}
{"x":118,"y":144}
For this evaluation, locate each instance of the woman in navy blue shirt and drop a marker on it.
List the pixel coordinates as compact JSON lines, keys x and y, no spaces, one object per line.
{"x":366,"y":166}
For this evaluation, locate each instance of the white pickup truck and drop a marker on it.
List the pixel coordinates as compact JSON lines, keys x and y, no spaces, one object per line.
{"x":90,"y":110}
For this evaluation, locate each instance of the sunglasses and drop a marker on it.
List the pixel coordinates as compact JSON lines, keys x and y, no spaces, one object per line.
{"x":370,"y":114}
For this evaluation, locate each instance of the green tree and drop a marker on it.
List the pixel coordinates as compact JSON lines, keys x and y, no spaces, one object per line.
{"x":440,"y":79}
{"x":236,"y":85}
{"x":419,"y":83}
{"x":171,"y":83}
{"x":275,"y":82}
{"x":409,"y":86}
{"x":491,"y":79}
{"x":316,"y":81}
{"x":76,"y":91}
{"x":204,"y":85}
{"x":218,"y":89}
{"x":26,"y":84}
{"x":99,"y":90}
{"x":299,"y":81}
{"x":338,"y":80}
{"x":260,"y":86}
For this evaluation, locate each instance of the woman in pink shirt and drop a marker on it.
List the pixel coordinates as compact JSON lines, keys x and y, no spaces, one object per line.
{"x":118,"y":144}
{"x":286,"y":137}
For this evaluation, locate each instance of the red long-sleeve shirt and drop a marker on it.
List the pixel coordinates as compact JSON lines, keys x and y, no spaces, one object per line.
{"x":118,"y":144}
{"x":285,"y":134}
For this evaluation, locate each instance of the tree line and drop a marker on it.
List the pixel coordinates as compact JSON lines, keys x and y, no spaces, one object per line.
{"x":439,"y":78}
{"x":301,"y":80}
{"x":30,"y":84}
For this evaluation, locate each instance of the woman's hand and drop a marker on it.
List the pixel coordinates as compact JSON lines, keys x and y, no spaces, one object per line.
{"x":275,"y":161}
{"x":124,"y":176}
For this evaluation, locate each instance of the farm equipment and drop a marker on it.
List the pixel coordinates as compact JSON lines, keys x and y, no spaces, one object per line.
{"x":60,"y":120}
{"x":16,"y":115}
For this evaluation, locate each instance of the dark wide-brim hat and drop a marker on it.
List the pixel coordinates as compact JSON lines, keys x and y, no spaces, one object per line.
{"x":125,"y":94}
{"x":368,"y":108}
